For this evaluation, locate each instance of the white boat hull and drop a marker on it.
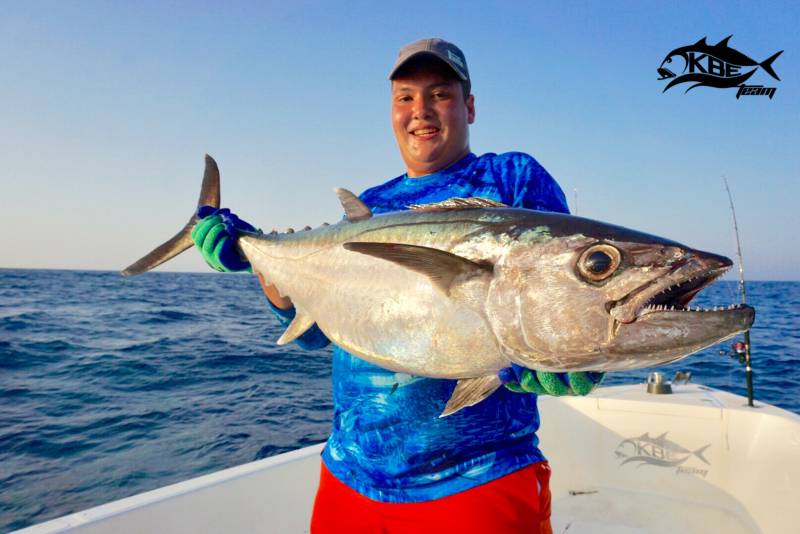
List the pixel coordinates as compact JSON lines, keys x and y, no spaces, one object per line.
{"x":623,"y":462}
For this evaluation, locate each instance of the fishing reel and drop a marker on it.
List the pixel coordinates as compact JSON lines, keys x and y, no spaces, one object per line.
{"x":737,"y":351}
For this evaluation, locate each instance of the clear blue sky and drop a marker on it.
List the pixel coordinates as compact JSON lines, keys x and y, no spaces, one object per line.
{"x":107,"y":108}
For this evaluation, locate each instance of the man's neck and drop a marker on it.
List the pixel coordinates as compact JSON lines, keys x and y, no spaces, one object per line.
{"x":423,"y":173}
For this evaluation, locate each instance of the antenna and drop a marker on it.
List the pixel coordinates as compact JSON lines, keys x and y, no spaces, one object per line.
{"x":748,"y":370}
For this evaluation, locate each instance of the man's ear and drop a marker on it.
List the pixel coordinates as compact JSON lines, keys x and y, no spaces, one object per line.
{"x":470,"y":109}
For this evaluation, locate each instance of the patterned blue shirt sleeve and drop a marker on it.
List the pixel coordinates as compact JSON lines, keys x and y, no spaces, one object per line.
{"x":524,"y":183}
{"x":312,"y":339}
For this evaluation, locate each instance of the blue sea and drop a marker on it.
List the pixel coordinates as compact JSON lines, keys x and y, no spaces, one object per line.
{"x":111,"y":386}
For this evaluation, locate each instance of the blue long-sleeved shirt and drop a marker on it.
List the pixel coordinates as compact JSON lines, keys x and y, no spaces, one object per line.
{"x":388,"y":441}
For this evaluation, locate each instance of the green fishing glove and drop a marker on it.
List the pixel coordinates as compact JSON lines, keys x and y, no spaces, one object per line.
{"x":522,"y":380}
{"x":215,"y":236}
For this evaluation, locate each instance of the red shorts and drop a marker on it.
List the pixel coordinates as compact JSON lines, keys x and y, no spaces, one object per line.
{"x":516,"y":503}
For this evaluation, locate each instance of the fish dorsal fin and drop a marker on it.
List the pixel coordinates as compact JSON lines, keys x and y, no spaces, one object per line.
{"x":723,"y":43}
{"x":457,"y":203}
{"x":470,"y":391}
{"x":354,"y":209}
{"x":701,"y":42}
{"x":443,"y":268}
{"x":300,"y":324}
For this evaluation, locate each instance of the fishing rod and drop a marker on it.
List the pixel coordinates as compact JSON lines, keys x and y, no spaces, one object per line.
{"x":575,"y":210}
{"x":748,"y":369}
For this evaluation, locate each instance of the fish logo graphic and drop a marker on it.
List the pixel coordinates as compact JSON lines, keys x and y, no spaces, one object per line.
{"x":657,"y":451}
{"x":717,"y":66}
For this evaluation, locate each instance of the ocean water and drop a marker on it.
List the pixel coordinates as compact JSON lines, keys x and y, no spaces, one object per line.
{"x":112,"y":386}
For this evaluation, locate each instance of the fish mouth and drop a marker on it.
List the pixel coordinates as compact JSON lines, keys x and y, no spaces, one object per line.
{"x":665,"y":73}
{"x":654,"y":324}
{"x":674,"y":291}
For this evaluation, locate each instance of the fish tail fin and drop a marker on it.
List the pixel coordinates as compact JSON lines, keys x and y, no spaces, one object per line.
{"x":699,"y":453}
{"x":209,"y":196}
{"x":767,"y":65}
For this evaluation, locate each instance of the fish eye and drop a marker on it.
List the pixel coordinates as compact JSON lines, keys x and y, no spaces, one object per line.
{"x":598,"y":262}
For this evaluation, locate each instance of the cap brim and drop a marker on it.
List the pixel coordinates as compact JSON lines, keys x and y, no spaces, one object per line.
{"x":400,"y":62}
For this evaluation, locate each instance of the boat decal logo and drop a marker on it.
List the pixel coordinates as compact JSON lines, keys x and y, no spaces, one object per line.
{"x":660,"y":452}
{"x":718,"y":66}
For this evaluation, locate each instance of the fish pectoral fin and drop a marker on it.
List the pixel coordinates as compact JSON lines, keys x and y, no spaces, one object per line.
{"x":297,"y":328}
{"x":443,"y":268}
{"x":354,"y":209}
{"x":471,"y":391}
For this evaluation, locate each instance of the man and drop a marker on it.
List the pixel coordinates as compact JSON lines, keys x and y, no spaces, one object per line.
{"x":391,"y":463}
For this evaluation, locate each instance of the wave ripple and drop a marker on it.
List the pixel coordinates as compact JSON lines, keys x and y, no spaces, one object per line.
{"x":113,"y":386}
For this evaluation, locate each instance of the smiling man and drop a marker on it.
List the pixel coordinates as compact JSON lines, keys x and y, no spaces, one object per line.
{"x":391,"y":464}
{"x":431,"y":111}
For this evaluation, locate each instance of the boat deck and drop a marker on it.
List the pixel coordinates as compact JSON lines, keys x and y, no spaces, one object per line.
{"x":619,"y":511}
{"x":623,"y":462}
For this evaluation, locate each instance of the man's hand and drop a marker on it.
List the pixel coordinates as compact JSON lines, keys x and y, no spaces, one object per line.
{"x":215,"y":236}
{"x":522,"y":380}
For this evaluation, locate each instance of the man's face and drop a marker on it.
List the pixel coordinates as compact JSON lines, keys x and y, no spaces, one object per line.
{"x":430,"y":119}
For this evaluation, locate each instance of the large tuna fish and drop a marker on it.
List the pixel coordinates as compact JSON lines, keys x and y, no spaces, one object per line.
{"x":463,"y":288}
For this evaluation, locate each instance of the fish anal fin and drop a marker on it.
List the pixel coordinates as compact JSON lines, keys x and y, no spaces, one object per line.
{"x":469,"y":392}
{"x":297,"y":328}
{"x":457,"y":203}
{"x":442,"y":268}
{"x":354,"y":208}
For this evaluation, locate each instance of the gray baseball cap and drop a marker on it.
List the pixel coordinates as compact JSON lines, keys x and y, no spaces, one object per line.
{"x":438,"y":48}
